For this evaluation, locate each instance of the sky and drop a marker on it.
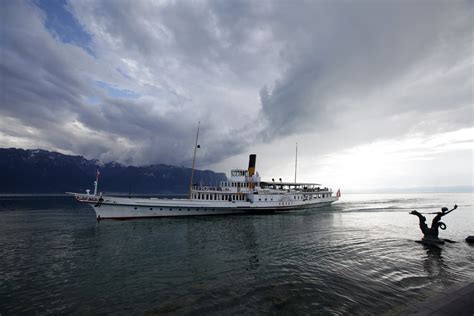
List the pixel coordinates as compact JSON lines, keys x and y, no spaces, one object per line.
{"x":377,"y":94}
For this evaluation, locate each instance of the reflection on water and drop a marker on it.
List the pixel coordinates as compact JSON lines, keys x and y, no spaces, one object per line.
{"x":434,"y":263}
{"x":359,"y":256}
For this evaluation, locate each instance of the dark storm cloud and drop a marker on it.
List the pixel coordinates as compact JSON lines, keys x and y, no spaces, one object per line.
{"x":45,"y":86}
{"x":348,"y":51}
{"x":39,"y":83}
{"x":249,"y":71}
{"x":325,"y":58}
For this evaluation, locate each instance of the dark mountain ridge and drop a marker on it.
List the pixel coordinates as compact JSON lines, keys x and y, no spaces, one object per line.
{"x":42,"y":171}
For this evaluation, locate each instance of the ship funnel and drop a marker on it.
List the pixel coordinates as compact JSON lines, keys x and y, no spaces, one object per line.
{"x":252,"y":159}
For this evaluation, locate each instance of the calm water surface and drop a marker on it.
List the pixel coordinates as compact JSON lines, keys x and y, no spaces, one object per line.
{"x":357,"y":257}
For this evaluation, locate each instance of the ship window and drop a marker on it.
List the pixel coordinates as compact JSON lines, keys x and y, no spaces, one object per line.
{"x":151,"y":209}
{"x":161,"y":209}
{"x":179,"y":209}
{"x":135,"y":208}
{"x":170,"y":209}
{"x":265,"y":199}
{"x":259,"y":199}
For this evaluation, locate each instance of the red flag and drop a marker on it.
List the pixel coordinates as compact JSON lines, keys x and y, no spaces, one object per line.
{"x":97,"y":174}
{"x":338,"y":194}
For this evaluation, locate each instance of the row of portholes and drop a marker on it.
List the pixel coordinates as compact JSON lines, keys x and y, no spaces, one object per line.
{"x":285,"y":203}
{"x":197,"y":210}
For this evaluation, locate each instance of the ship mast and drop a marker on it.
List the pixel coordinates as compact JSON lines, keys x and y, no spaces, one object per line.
{"x":296,"y":160}
{"x":194,"y":159}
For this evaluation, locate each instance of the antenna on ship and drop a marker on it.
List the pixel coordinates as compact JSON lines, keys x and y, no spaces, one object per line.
{"x":196,"y":146}
{"x":296,"y":160}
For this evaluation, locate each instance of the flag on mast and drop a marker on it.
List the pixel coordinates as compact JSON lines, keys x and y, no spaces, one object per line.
{"x":338,"y":193}
{"x":97,"y":174}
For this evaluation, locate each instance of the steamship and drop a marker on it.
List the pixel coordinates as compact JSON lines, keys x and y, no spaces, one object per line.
{"x":243,"y":192}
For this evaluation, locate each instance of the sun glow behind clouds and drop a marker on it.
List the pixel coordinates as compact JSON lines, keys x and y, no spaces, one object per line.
{"x":395,"y":163}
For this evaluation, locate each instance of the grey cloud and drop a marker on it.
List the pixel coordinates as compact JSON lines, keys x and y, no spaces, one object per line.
{"x":249,"y":71}
{"x":45,"y":86}
{"x":349,"y":51}
{"x":38,"y":83}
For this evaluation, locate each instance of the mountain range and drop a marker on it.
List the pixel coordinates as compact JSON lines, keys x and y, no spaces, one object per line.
{"x":42,"y":171}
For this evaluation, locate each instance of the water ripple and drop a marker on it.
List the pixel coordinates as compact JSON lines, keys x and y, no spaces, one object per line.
{"x":357,"y":257}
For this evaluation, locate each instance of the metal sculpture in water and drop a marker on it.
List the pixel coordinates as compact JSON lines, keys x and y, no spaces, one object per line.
{"x":431,"y":234}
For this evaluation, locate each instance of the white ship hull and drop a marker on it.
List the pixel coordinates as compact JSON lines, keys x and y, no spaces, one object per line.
{"x":243,"y":192}
{"x":129,"y":208}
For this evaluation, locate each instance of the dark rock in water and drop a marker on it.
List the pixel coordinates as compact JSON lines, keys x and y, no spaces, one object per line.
{"x":470,"y":239}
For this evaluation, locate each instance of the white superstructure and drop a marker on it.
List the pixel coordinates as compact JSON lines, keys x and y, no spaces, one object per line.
{"x":243,"y":192}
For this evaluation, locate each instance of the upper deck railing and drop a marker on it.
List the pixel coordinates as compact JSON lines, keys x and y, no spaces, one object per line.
{"x":276,"y":186}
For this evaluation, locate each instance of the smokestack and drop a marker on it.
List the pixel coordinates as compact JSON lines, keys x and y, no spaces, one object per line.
{"x":252,"y":159}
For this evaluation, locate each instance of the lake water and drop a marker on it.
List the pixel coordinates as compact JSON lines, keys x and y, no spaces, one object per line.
{"x":358,"y":256}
